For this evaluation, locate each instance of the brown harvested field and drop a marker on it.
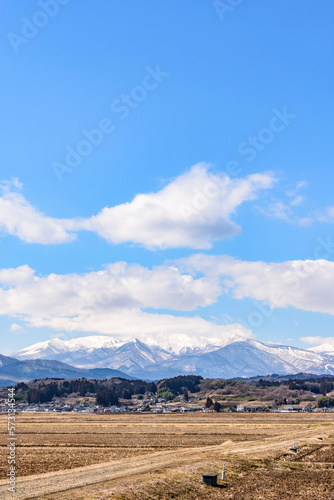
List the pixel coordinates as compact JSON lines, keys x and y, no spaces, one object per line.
{"x":55,"y":442}
{"x":163,"y":455}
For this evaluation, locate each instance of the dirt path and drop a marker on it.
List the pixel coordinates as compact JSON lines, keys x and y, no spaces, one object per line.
{"x":40,"y":485}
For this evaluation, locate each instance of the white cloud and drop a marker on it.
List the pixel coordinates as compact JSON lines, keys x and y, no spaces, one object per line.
{"x":15,"y":328}
{"x":193,"y":210}
{"x":110,"y":301}
{"x":316,"y":340}
{"x":118,"y":286}
{"x":16,"y":276}
{"x":306,"y":285}
{"x":19,"y":218}
{"x":134,"y":322}
{"x":324,"y":345}
{"x":116,"y":300}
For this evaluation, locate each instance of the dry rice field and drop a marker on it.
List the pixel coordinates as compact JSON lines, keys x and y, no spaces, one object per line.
{"x":163,"y":456}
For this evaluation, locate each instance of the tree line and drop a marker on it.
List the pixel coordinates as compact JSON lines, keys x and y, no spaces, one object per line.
{"x":107,"y":391}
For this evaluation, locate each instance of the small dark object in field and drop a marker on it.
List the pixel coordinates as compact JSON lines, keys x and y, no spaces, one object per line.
{"x":210,"y":479}
{"x":294,"y":449}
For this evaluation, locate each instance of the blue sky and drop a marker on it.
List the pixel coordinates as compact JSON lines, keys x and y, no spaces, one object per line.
{"x":200,"y":84}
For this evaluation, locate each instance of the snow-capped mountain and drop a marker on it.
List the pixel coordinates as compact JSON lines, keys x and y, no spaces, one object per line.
{"x":97,"y":352}
{"x":323,"y":349}
{"x":102,"y":350}
{"x":158,"y":356}
{"x":92,"y":349}
{"x":185,"y":344}
{"x":133,"y":356}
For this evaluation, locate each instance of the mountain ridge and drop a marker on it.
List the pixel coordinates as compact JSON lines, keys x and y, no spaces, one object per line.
{"x":149,"y":357}
{"x":15,"y":370}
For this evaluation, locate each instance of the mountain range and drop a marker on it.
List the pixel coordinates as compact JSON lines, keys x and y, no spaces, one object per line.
{"x":158,"y":356}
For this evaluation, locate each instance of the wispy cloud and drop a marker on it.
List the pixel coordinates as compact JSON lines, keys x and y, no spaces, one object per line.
{"x":292,"y":193}
{"x":326,"y":215}
{"x":298,"y":200}
{"x":282,"y":211}
{"x":286,"y":209}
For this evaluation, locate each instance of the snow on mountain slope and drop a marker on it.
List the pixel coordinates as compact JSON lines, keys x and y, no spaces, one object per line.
{"x":162,"y":356}
{"x":42,"y":349}
{"x":323,"y":349}
{"x":134,"y":356}
{"x":70,"y":351}
{"x":186,"y":344}
{"x":242,"y":359}
{"x":94,"y":351}
{"x":301,"y":360}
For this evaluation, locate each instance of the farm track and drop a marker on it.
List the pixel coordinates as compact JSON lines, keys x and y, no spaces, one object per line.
{"x":38,"y":486}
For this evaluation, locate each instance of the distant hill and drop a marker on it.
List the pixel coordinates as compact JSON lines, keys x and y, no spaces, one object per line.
{"x":282,"y":378}
{"x":13,"y":370}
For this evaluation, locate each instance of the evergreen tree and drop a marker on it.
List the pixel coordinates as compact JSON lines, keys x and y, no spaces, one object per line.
{"x":106,"y":398}
{"x":208,"y":402}
{"x":217,"y":406}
